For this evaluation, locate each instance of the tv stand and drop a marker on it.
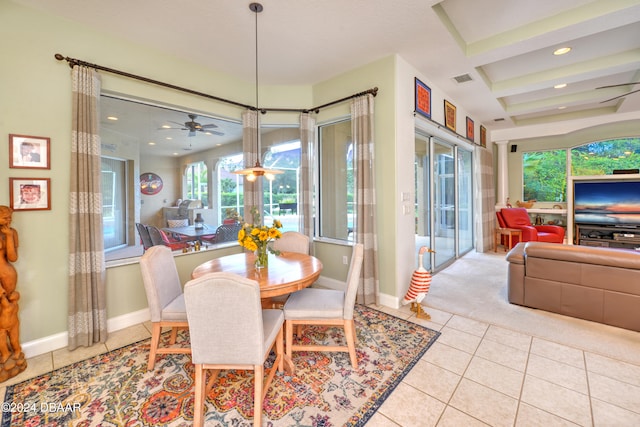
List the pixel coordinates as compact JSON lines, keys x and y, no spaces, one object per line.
{"x":608,"y":236}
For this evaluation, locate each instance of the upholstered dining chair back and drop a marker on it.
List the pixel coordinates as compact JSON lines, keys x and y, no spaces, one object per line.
{"x":161,"y":281}
{"x":353,"y":279}
{"x":166,"y":300}
{"x":225,"y":319}
{"x":230,"y":330}
{"x":292,"y":241}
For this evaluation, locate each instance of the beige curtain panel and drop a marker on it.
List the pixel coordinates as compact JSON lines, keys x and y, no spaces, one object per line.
{"x":487,"y":209}
{"x":305,"y":193}
{"x":365,"y":227}
{"x":87,"y":319}
{"x":251,"y":152}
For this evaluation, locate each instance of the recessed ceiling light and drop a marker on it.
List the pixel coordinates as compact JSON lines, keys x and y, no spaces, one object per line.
{"x":561,"y":51}
{"x":560,"y":86}
{"x":169,"y":138}
{"x":114,"y":118}
{"x":175,"y":154}
{"x":562,"y":107}
{"x":152,"y":143}
{"x":166,"y":127}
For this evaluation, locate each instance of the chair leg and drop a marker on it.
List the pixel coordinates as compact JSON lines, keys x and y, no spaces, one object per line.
{"x":198,"y":404}
{"x":174,"y":335}
{"x":289,"y":337}
{"x":257,"y":395}
{"x":155,"y":341}
{"x":280,"y":350}
{"x":350,"y":335}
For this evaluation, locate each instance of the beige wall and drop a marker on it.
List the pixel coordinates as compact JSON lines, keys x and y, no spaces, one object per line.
{"x":36,"y":100}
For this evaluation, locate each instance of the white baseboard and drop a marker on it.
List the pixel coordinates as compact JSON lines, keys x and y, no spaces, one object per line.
{"x":129,"y":319}
{"x":329,"y":283}
{"x":58,"y":341}
{"x":45,"y":345}
{"x":386,"y":300}
{"x":389,"y":301}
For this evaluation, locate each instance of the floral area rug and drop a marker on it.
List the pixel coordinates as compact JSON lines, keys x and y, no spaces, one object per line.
{"x":115,"y":388}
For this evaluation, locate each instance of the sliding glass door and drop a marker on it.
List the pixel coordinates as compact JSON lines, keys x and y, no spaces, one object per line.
{"x":444,"y":200}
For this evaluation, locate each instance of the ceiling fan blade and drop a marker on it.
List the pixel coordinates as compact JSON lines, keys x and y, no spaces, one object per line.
{"x":621,"y":84}
{"x":620,"y":96}
{"x":210,"y":125}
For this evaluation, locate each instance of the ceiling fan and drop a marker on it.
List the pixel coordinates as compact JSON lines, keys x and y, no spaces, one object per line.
{"x":192,"y":126}
{"x":618,"y":85}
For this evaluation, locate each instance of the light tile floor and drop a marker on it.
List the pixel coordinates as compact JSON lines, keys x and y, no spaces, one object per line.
{"x":475,"y":374}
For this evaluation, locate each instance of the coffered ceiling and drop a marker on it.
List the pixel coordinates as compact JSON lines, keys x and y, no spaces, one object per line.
{"x":504,"y":48}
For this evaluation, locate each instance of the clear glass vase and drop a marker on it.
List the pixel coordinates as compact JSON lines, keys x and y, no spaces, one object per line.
{"x":262,"y":258}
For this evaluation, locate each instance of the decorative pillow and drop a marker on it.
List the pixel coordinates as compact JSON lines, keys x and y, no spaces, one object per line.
{"x":178,"y":222}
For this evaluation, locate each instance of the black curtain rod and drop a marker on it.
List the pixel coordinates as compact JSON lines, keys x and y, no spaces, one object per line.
{"x":72,"y":62}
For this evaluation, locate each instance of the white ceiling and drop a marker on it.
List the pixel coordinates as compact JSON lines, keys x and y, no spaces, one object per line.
{"x":504,"y":45}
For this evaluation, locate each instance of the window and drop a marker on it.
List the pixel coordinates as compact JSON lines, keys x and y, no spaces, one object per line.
{"x":545,"y":176}
{"x":230,"y":186}
{"x":114,"y":207}
{"x":603,"y":157}
{"x":197,"y":188}
{"x":336,"y":181}
{"x":280,"y":196}
{"x":152,"y":138}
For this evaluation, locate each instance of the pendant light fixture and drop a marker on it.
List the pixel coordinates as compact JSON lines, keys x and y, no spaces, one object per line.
{"x":252,"y":173}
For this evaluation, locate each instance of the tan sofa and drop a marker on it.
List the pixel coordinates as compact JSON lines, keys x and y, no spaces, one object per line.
{"x":593,"y":283}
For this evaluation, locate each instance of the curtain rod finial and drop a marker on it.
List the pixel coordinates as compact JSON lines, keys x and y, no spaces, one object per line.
{"x":58,"y":57}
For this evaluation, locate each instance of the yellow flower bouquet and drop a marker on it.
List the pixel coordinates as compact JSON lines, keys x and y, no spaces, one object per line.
{"x":256,"y":238}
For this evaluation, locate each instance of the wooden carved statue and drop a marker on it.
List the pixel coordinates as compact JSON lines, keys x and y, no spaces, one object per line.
{"x":12,"y":360}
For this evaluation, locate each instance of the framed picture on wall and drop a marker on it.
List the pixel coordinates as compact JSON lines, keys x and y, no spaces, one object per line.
{"x":470,"y":130}
{"x":483,"y":136}
{"x":30,"y":194}
{"x":29,"y":152}
{"x":423,"y":99}
{"x":449,"y":115}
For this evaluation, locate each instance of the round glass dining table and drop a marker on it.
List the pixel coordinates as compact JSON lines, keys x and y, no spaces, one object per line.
{"x":286,"y":273}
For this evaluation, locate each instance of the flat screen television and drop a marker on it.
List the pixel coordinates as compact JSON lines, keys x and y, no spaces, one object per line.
{"x":607,"y":202}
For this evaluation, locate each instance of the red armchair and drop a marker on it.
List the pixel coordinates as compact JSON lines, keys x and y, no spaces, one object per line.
{"x":519,"y":218}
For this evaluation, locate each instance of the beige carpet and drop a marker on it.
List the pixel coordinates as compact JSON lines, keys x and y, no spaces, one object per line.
{"x":476,"y":287}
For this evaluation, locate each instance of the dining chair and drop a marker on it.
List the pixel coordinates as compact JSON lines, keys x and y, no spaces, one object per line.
{"x":290,"y":241}
{"x":226,"y":232}
{"x":145,"y":238}
{"x":230,"y":330}
{"x":159,"y":237}
{"x":165,"y":298}
{"x":326,"y":307}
